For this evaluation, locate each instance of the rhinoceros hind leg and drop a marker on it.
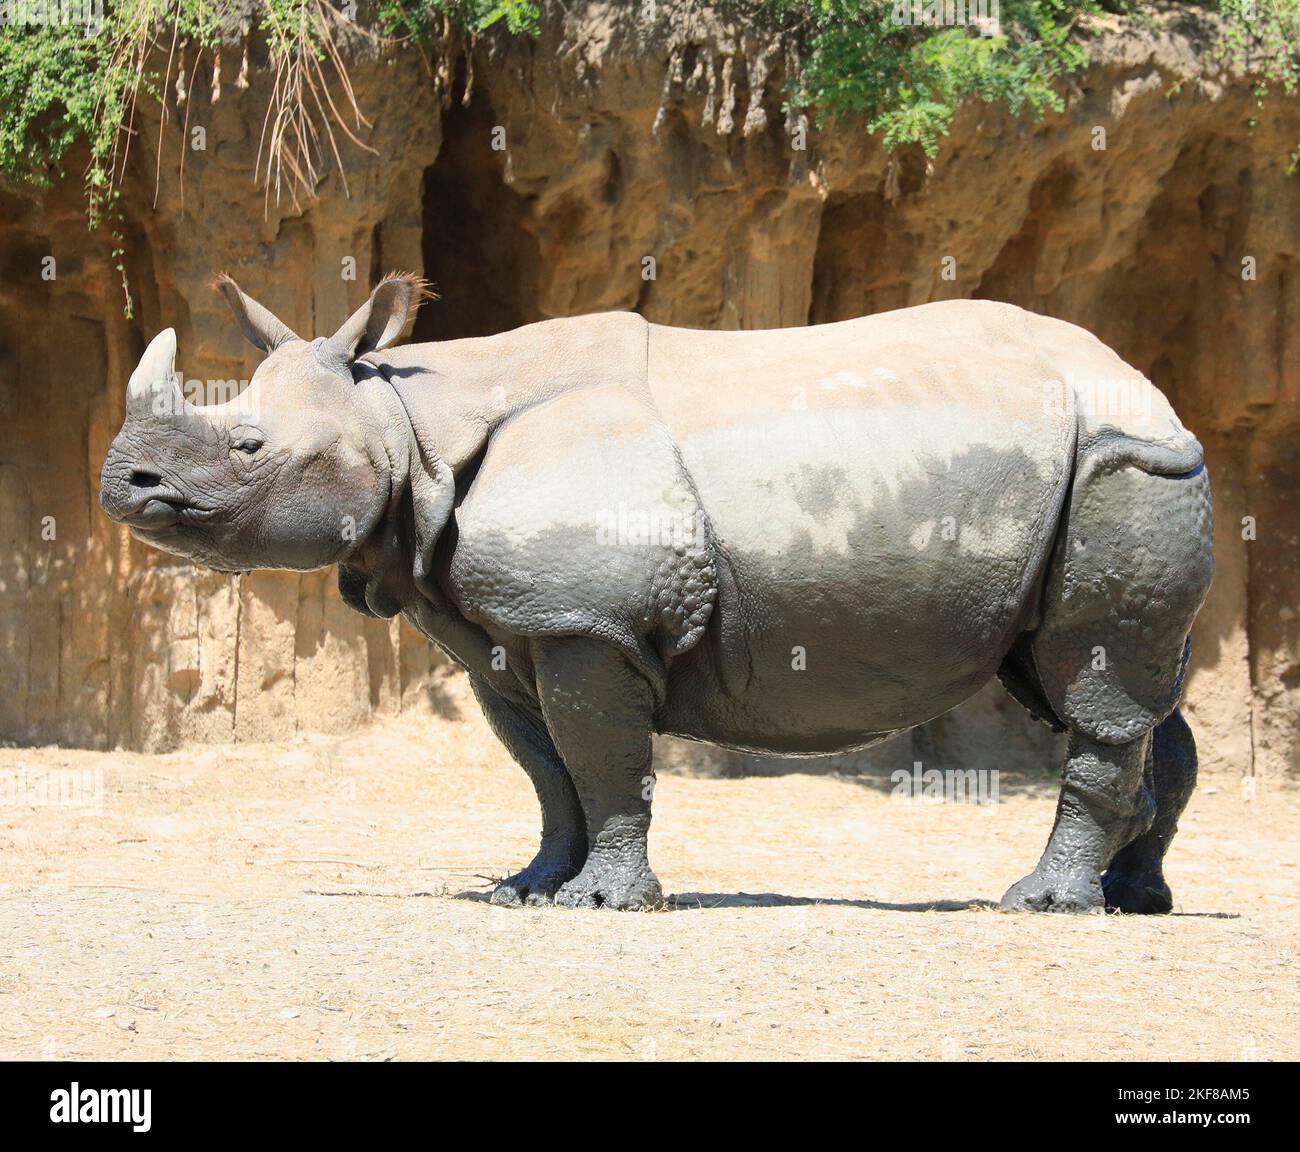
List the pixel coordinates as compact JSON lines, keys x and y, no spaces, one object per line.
{"x":1135,"y":880}
{"x":598,"y":709}
{"x":1103,"y":804}
{"x":564,"y":831}
{"x":1129,"y":570}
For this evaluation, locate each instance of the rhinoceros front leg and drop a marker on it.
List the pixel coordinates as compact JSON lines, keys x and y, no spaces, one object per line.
{"x":598,"y":709}
{"x":563,"y":850}
{"x":1103,"y":806}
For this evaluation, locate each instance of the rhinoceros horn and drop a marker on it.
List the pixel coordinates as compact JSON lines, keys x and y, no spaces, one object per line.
{"x":155,"y":375}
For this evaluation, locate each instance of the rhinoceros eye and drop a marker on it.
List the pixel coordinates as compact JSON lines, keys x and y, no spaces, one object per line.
{"x":248,"y":445}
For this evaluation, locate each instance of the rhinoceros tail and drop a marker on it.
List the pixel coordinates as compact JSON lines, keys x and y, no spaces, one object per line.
{"x":1128,"y":575}
{"x":1178,"y":454}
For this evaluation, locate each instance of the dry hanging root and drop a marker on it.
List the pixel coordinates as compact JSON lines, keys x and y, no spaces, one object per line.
{"x":469,"y":72}
{"x":241,"y":81}
{"x":443,"y":76}
{"x":727,"y":113}
{"x":711,"y":100}
{"x":671,"y":74}
{"x":756,"y":114}
{"x":719,"y":107}
{"x":302,"y":114}
{"x":180,"y":75}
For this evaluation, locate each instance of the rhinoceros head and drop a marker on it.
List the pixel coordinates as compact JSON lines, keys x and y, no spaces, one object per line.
{"x":294,"y":472}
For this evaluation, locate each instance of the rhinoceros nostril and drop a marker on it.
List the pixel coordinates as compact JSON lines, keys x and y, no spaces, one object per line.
{"x":141,"y":479}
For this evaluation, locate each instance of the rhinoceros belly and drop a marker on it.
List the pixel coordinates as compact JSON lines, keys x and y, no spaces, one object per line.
{"x":880,"y":531}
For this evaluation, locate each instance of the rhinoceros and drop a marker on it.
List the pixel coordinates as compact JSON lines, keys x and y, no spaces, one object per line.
{"x":798,"y":541}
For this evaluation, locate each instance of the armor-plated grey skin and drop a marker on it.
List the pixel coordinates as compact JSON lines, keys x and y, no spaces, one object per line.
{"x":796,"y":541}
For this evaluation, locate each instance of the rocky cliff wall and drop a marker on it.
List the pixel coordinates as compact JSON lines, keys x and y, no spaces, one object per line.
{"x":626,"y":138}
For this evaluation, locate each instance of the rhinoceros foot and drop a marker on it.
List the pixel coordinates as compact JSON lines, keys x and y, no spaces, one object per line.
{"x":612,"y":880}
{"x":1141,"y":893}
{"x":538,"y":883}
{"x":1056,"y":891}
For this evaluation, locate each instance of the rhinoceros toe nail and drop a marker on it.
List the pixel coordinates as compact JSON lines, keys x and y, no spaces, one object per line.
{"x":505,"y":896}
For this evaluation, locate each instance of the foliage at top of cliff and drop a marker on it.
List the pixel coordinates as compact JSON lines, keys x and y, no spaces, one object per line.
{"x":75,"y":70}
{"x":908,"y":76}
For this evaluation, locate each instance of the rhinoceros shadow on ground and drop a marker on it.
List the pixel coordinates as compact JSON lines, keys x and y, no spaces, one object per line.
{"x":690,"y":901}
{"x":707,"y":901}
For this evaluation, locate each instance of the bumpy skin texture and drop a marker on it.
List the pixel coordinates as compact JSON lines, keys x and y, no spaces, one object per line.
{"x":796,"y":541}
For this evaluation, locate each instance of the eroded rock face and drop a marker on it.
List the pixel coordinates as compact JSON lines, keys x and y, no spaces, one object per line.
{"x":627,"y":141}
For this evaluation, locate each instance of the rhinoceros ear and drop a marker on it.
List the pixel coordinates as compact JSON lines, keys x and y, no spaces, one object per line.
{"x":381,"y":319}
{"x":261,"y":328}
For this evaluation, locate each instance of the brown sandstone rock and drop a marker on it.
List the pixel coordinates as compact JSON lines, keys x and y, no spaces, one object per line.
{"x":625,"y":142}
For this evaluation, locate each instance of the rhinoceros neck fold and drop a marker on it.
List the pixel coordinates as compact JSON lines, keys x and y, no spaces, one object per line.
{"x":438,"y":429}
{"x":454,"y":396}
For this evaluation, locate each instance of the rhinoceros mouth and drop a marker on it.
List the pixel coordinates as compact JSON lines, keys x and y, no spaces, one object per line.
{"x":162,"y":510}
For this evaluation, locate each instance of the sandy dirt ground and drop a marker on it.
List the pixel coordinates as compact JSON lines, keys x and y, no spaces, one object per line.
{"x":325,"y":898}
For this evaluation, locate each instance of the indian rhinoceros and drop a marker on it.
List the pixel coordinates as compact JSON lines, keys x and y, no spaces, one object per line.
{"x":797,"y":541}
